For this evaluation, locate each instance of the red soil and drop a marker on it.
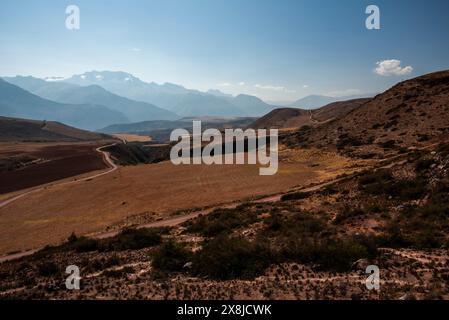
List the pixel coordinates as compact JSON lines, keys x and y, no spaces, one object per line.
{"x":59,"y":162}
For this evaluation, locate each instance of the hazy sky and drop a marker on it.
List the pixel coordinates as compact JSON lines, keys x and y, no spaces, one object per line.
{"x":275,"y":49}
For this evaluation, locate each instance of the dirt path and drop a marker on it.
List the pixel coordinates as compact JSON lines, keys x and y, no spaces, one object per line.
{"x":174,"y":221}
{"x":106,"y":159}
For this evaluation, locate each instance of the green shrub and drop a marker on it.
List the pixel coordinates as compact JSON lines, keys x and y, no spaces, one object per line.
{"x":231,"y":257}
{"x":221,"y":221}
{"x":133,"y":239}
{"x":171,"y":256}
{"x":303,"y":223}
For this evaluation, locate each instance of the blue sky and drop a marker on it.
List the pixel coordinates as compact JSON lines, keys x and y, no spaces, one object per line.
{"x":275,"y":49}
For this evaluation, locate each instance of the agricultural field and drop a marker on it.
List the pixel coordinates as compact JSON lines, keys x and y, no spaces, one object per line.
{"x":26,"y":165}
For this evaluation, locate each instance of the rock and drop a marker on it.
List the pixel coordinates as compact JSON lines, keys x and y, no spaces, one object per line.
{"x":188,"y":265}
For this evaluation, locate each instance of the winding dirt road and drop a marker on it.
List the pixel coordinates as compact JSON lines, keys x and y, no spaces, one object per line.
{"x":106,"y":158}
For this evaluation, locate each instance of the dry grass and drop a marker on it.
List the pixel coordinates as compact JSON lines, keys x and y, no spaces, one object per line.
{"x":132,"y":137}
{"x":50,"y":215}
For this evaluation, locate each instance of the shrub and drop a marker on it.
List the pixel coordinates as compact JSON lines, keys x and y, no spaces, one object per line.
{"x":423,"y":164}
{"x":83,"y":244}
{"x":133,"y":239}
{"x":303,"y":223}
{"x":47,"y":269}
{"x":171,"y":256}
{"x":347,"y":213}
{"x":345,"y":140}
{"x":231,"y":257}
{"x":382,"y":182}
{"x":327,"y":253}
{"x":295,"y":196}
{"x":221,"y":221}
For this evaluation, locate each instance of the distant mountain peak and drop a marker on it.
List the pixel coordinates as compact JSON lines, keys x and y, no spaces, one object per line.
{"x":100,"y":76}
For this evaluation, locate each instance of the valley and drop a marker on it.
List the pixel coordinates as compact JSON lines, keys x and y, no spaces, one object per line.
{"x":359,"y":182}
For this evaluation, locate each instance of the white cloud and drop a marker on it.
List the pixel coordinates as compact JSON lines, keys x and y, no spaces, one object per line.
{"x":392,"y":68}
{"x":224,"y":84}
{"x":136,"y":49}
{"x":241,"y":83}
{"x":305,"y":86}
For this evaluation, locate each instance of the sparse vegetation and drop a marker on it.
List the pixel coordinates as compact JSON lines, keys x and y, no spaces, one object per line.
{"x":171,"y":256}
{"x":221,"y":221}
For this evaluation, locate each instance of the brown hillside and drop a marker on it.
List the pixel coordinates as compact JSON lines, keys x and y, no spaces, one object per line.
{"x":294,"y":118}
{"x":12,"y":129}
{"x":337,"y":109}
{"x":282,"y":118}
{"x":408,"y":114}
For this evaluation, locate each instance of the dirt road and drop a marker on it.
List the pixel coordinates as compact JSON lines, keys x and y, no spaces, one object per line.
{"x":106,"y":159}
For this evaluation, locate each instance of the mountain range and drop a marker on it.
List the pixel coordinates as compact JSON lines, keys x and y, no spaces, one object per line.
{"x":95,"y":99}
{"x":175,"y":98}
{"x":63,"y":92}
{"x":19,"y":103}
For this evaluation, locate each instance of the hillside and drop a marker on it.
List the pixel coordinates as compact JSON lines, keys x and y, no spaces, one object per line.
{"x":12,"y":129}
{"x":317,"y":101}
{"x":295,"y":118}
{"x":283,"y":118}
{"x":18,"y":103}
{"x":337,"y":109}
{"x":312,"y":102}
{"x":410,"y":113}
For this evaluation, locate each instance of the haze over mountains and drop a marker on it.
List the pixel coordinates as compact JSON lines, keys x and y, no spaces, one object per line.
{"x":182,"y":101}
{"x":95,"y":100}
{"x":18,"y":103}
{"x":93,"y":94}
